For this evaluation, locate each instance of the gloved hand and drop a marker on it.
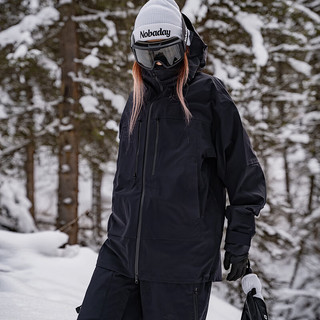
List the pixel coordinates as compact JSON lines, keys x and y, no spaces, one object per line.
{"x":238,"y":265}
{"x":251,"y":281}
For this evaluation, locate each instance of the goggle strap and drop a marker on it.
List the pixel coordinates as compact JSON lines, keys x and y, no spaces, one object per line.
{"x":185,"y":32}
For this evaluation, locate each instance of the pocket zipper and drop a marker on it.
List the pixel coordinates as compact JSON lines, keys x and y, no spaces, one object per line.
{"x":195,"y":303}
{"x":155,"y":148}
{"x":137,"y":153}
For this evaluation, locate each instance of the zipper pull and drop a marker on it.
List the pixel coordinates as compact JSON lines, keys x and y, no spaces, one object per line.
{"x":136,"y":281}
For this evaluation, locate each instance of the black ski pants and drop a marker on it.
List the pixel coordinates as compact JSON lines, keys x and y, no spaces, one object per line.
{"x":113,"y":296}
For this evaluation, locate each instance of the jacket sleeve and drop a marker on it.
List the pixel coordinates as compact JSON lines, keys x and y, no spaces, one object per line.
{"x":239,"y":170}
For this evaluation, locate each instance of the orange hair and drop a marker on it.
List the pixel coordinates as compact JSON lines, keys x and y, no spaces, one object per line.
{"x":138,"y":91}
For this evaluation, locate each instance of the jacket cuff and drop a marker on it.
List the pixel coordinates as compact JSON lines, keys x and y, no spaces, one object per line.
{"x":236,"y":249}
{"x":238,"y":238}
{"x":240,"y":230}
{"x":241,"y":223}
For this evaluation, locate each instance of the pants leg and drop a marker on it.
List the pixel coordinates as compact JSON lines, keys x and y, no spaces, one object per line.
{"x":171,"y":301}
{"x":111,"y":296}
{"x":133,"y":309}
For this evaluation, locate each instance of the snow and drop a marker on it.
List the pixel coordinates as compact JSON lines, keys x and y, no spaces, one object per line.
{"x":296,"y":292}
{"x":4,"y":100}
{"x":34,"y":4}
{"x":46,"y":183}
{"x":314,"y":166}
{"x":19,"y":53}
{"x":40,"y":280}
{"x":130,"y":4}
{"x":310,"y":117}
{"x":217,"y":24}
{"x":49,"y":283}
{"x":13,"y":199}
{"x":112,"y":125}
{"x":67,"y":147}
{"x":105,"y":41}
{"x":85,"y":187}
{"x":221,"y":71}
{"x":66,"y":128}
{"x":89,"y":104}
{"x":117,"y":101}
{"x":299,"y":137}
{"x":255,"y":109}
{"x":220,"y":310}
{"x":291,"y":96}
{"x":48,"y":64}
{"x":92,"y":60}
{"x":252,"y":24}
{"x":3,"y":114}
{"x":21,"y":32}
{"x":311,"y":14}
{"x":300,"y":66}
{"x":67,"y":200}
{"x":111,"y":35}
{"x":194,"y":9}
{"x":65,"y":168}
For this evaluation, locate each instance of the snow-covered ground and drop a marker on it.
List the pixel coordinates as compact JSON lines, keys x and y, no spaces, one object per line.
{"x":39,"y":280}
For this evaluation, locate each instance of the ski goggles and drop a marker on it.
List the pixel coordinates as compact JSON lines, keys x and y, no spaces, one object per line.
{"x":169,"y":52}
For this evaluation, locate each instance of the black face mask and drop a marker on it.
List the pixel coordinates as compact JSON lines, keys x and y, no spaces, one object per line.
{"x":162,"y":75}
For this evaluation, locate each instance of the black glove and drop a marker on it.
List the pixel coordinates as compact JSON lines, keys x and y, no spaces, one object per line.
{"x":239,"y":265}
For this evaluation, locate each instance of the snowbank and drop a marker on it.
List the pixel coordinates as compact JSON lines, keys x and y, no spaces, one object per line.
{"x":39,"y":280}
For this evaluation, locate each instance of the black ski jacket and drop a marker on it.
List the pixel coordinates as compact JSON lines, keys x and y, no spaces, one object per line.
{"x":169,"y":199}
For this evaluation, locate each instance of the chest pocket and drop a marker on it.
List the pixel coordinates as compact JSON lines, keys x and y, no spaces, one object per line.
{"x":127,"y":161}
{"x":172,"y":144}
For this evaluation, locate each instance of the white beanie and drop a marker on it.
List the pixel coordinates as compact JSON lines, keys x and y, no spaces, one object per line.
{"x":158,"y":19}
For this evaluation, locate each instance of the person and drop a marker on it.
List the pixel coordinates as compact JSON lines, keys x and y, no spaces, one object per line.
{"x":182,"y":146}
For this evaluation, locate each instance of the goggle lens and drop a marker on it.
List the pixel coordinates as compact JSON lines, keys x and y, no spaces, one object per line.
{"x":168,"y":56}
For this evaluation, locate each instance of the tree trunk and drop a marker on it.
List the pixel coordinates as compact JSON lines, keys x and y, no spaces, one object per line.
{"x":287,"y":176}
{"x":310,"y":202}
{"x":68,"y":134}
{"x":29,"y":168}
{"x":96,"y":200}
{"x":30,"y":151}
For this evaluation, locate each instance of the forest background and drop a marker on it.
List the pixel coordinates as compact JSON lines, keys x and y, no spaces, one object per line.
{"x":65,"y":77}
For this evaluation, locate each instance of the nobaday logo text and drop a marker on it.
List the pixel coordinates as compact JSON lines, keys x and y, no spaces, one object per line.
{"x":149,"y":33}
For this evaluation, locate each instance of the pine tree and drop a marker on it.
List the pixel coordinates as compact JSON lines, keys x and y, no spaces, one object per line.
{"x":24,"y":118}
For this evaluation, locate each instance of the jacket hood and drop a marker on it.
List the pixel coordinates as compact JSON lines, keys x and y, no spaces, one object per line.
{"x":198,"y":50}
{"x":160,"y":77}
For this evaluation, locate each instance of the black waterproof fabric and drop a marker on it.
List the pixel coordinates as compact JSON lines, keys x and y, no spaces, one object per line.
{"x":254,"y":308}
{"x":169,"y":199}
{"x":112,"y":296}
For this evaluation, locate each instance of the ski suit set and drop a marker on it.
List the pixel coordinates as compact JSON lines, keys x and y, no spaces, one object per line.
{"x":169,"y":199}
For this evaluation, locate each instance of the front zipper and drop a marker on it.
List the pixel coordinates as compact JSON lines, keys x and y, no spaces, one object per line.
{"x":138,"y":148}
{"x":195,"y":303}
{"x":155,"y":148}
{"x":141,"y":199}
